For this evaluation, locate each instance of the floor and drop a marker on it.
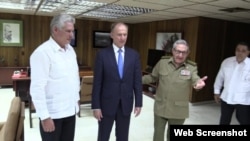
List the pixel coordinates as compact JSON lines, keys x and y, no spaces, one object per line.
{"x":141,"y":127}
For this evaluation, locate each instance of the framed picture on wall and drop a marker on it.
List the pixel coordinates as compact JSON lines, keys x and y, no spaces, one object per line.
{"x":11,"y":33}
{"x":165,"y":40}
{"x":73,"y":41}
{"x":101,"y":39}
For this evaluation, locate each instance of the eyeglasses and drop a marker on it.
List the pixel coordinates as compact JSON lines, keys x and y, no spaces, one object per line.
{"x":180,"y":52}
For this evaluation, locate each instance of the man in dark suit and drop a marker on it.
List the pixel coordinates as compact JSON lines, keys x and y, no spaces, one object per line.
{"x":114,"y":92}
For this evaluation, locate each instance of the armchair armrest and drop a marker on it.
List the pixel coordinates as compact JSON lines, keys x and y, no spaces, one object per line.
{"x":1,"y":125}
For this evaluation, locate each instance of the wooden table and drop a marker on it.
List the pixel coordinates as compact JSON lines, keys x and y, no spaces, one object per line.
{"x":21,"y":87}
{"x":86,"y":73}
{"x":6,"y":73}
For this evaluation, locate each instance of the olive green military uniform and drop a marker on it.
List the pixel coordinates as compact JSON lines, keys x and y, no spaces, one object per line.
{"x":174,"y":87}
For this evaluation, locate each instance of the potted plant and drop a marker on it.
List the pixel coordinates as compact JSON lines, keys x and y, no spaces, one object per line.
{"x":2,"y":61}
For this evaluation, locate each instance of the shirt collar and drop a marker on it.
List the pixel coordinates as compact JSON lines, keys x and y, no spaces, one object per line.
{"x":117,"y":48}
{"x":56,"y":47}
{"x":246,"y":61}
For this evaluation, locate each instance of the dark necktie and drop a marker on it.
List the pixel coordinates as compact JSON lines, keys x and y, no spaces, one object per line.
{"x":120,"y":62}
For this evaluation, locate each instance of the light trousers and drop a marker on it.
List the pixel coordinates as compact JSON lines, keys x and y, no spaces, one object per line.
{"x":160,"y":124}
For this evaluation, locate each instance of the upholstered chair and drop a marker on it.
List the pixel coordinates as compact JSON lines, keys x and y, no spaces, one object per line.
{"x":86,"y":91}
{"x":13,"y":128}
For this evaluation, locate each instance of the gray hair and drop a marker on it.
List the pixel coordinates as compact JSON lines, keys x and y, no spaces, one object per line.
{"x":118,"y":23}
{"x":59,"y":21}
{"x":180,"y":41}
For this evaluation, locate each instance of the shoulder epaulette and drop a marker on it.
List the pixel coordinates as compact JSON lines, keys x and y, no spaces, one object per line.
{"x":166,"y":57}
{"x":191,"y":62}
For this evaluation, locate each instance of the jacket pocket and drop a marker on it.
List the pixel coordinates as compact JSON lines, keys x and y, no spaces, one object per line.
{"x":163,"y":75}
{"x":181,"y":103}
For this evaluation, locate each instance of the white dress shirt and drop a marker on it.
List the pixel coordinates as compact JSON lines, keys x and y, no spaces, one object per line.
{"x":116,"y":52}
{"x":234,"y":78}
{"x":55,"y":81}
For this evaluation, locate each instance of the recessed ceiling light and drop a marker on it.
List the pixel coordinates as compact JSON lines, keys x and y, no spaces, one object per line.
{"x":235,"y":9}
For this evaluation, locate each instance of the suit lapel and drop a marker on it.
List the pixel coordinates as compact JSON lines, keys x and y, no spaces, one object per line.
{"x":126,"y":60}
{"x":113,"y":62}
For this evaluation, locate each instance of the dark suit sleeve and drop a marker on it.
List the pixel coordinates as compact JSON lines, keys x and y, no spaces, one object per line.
{"x":96,"y":91}
{"x":138,"y":82}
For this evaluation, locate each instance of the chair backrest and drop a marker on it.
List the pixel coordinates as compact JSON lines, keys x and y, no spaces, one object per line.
{"x":9,"y":130}
{"x":20,"y":128}
{"x":87,"y":79}
{"x":86,"y":89}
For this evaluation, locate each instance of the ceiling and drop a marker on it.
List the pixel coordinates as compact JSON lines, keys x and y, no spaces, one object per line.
{"x":133,"y":11}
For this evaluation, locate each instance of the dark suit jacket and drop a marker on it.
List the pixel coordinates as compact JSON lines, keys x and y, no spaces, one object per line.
{"x":109,"y":89}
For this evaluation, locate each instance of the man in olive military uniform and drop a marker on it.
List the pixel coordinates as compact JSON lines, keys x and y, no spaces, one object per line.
{"x":175,"y":76}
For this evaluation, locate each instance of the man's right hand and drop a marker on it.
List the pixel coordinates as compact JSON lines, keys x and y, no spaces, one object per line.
{"x":217,"y":98}
{"x":48,"y":125}
{"x":97,"y":114}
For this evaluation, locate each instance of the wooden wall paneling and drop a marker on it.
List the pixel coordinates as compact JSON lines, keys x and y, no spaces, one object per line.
{"x":101,"y":25}
{"x":83,"y":41}
{"x":236,"y":32}
{"x":10,"y":53}
{"x":216,"y":40}
{"x":209,"y":42}
{"x":189,"y":30}
{"x":37,"y":31}
{"x":144,"y":35}
{"x":141,"y":38}
{"x":88,"y":46}
{"x":27,"y":37}
{"x":85,"y":51}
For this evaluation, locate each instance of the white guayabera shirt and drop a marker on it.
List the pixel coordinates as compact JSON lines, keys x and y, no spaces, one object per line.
{"x":234,"y":78}
{"x":55,"y":82}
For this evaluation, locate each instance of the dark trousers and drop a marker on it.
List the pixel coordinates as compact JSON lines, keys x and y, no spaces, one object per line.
{"x":64,"y":130}
{"x":122,"y":126}
{"x":242,"y":113}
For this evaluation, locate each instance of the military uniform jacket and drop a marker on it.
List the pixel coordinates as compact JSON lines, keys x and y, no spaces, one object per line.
{"x":174,"y":87}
